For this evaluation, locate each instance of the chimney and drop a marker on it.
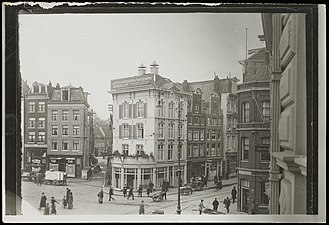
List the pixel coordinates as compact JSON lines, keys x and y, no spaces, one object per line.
{"x":57,"y":85}
{"x":185,"y":85}
{"x":216,"y":85}
{"x":155,"y":68}
{"x":141,"y":69}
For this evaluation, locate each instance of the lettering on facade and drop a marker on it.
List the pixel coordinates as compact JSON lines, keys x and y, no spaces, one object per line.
{"x":36,"y":161}
{"x":132,"y":82}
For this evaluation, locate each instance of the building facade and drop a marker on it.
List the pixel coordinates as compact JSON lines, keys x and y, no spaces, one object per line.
{"x":68,"y":130}
{"x":231,"y":152}
{"x":254,"y":140}
{"x":35,"y":126}
{"x":214,"y":94}
{"x":102,"y":137}
{"x":149,"y":118}
{"x":285,"y":37}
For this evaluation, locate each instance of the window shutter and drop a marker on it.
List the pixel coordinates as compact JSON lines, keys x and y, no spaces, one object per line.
{"x":135,"y":110}
{"x":145,"y":110}
{"x":120,"y":131}
{"x":130,"y":110}
{"x":134,"y":132}
{"x":120,"y":111}
{"x":130,"y":132}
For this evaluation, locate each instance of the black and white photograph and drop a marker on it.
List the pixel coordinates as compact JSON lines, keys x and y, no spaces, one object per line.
{"x":137,"y":112}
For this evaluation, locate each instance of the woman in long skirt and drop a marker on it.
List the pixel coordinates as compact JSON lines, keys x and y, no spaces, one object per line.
{"x":100,"y":196}
{"x":70,"y":201}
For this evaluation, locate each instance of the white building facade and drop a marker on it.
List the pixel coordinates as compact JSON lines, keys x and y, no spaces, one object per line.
{"x":146,"y":130}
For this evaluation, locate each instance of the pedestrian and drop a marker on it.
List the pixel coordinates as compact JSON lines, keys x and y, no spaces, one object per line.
{"x":39,"y":178}
{"x":215,"y":204}
{"x":151,"y":185}
{"x":125,"y":191}
{"x":53,"y":206}
{"x":142,"y":208}
{"x":131,"y":194}
{"x":140,"y":191}
{"x":42,"y":200}
{"x":227,"y":204}
{"x":70,"y":201}
{"x":148,"y":191}
{"x":64,"y":200}
{"x":111,"y":193}
{"x":233,"y":193}
{"x":67,"y":193}
{"x":215,"y":180}
{"x":46,"y":209}
{"x":164,"y":192}
{"x":100,"y":196}
{"x":201,"y":207}
{"x":205,"y":180}
{"x":219,"y":183}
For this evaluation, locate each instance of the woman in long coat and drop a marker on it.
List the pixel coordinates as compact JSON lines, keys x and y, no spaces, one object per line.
{"x":100,"y":196}
{"x":70,"y":201}
{"x":43,"y":201}
{"x":47,"y":209}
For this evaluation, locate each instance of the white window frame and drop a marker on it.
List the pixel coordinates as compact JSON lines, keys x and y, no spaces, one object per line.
{"x":160,"y":151}
{"x":140,"y":130}
{"x":75,"y":145}
{"x":52,"y":145}
{"x":53,"y":128}
{"x":76,"y":115}
{"x":31,"y":122}
{"x":42,"y":107}
{"x":125,"y":130}
{"x":125,"y":149}
{"x":76,"y":130}
{"x":54,"y":115}
{"x":243,"y":148}
{"x":31,"y":134}
{"x":42,"y":121}
{"x":41,"y":135}
{"x":31,"y":108}
{"x":65,"y":127}
{"x":67,"y":142}
{"x":140,"y":109}
{"x":65,"y":115}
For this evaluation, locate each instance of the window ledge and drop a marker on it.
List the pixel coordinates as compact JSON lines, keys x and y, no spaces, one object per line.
{"x":289,"y":161}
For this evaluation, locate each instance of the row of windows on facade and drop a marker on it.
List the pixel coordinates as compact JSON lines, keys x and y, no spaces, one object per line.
{"x":65,"y":145}
{"x":65,"y":115}
{"x":196,"y":135}
{"x":200,"y":121}
{"x":199,"y":150}
{"x":41,"y":107}
{"x":40,"y":121}
{"x":231,"y":107}
{"x":245,"y":148}
{"x":139,"y":110}
{"x":65,"y":130}
{"x":137,"y":131}
{"x":41,"y":137}
{"x":231,"y":123}
{"x":265,"y":109}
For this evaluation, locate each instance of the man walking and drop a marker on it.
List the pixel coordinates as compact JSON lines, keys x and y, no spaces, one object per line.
{"x":111,"y":193}
{"x":233,"y":193}
{"x":125,"y":191}
{"x":142,"y":208}
{"x":215,"y":204}
{"x":100,"y":196}
{"x":201,"y":207}
{"x":227,"y":204}
{"x":53,"y":206}
{"x":42,"y":200}
{"x":131,"y":194}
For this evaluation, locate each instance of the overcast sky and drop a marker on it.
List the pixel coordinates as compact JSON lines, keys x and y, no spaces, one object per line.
{"x":89,"y":50}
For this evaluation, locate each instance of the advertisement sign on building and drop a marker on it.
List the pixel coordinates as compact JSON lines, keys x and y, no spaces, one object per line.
{"x":132,"y":82}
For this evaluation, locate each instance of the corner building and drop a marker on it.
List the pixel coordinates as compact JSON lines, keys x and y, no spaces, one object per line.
{"x":68,"y":130}
{"x":146,"y":127}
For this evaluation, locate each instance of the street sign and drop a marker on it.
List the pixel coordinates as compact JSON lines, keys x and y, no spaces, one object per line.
{"x":262,"y":147}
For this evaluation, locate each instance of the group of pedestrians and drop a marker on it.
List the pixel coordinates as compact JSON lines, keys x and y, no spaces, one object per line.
{"x":68,"y":199}
{"x":45,"y":204}
{"x":215,"y":203}
{"x":100,"y":195}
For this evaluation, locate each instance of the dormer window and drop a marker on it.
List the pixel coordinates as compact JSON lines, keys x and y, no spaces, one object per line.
{"x":65,"y":95}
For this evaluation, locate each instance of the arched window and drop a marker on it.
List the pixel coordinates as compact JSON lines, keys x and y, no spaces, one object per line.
{"x":160,"y":129}
{"x":140,"y":109}
{"x":125,"y":110}
{"x":171,"y":110}
{"x":245,"y":148}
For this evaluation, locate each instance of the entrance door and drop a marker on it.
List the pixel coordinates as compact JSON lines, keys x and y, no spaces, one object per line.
{"x":244,"y":200}
{"x":70,"y":170}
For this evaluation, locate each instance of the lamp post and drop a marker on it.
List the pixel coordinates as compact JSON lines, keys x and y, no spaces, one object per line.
{"x":179,"y":155}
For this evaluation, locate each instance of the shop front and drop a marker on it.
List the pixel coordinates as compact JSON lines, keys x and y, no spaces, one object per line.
{"x":70,"y":167}
{"x":69,"y":164}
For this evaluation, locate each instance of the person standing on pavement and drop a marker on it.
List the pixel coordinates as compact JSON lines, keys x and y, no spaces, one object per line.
{"x":42,"y":200}
{"x":111,"y":193}
{"x":70,"y":201}
{"x":142,"y":208}
{"x":100,"y":196}
{"x":67,"y":193}
{"x":215,"y":204}
{"x":140,"y":191}
{"x":131,"y":193}
{"x":233,"y":193}
{"x":227,"y":204}
{"x":205,"y":180}
{"x":53,"y":206}
{"x":201,"y":207}
{"x":64,"y":200}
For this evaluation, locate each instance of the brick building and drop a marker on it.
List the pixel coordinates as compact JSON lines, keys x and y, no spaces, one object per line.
{"x":35,"y":126}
